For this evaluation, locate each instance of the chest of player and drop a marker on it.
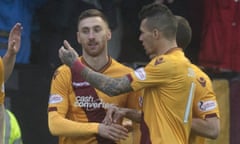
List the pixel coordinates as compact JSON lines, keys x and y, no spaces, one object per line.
{"x":84,"y":96}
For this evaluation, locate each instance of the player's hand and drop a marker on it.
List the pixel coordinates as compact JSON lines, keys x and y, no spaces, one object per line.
{"x":67,"y":54}
{"x":14,"y":40}
{"x":114,"y":132}
{"x":128,"y":124}
{"x":114,"y":115}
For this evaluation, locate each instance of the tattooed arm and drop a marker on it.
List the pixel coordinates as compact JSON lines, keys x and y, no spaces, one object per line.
{"x":110,"y":86}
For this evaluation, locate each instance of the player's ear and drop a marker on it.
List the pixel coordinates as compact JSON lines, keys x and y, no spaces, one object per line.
{"x":156,"y":33}
{"x":109,"y":34}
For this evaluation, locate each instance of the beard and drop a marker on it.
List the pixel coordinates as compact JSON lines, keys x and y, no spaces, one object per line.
{"x":95,"y":51}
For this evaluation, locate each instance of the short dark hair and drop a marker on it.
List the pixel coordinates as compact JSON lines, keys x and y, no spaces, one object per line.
{"x":184,"y":32}
{"x":92,"y":13}
{"x":160,"y":17}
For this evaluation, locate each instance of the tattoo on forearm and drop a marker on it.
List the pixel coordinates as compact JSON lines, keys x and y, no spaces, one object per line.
{"x":110,"y":86}
{"x":134,"y":115}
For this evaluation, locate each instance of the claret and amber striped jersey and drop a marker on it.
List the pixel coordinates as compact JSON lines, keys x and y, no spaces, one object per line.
{"x":205,"y":103}
{"x":79,"y":107}
{"x":169,"y":83}
{"x":2,"y":91}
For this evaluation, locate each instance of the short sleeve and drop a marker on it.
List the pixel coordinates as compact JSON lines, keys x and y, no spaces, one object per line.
{"x":60,"y":87}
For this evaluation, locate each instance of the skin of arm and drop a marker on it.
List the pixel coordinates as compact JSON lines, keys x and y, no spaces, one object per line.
{"x":132,"y":114}
{"x":9,"y":58}
{"x":110,"y":86}
{"x":209,"y":127}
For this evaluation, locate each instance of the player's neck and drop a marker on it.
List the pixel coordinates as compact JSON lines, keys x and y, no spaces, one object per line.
{"x":98,"y":62}
{"x":165,"y":46}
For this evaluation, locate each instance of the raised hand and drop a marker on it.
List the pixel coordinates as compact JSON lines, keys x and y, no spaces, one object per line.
{"x":14,"y":40}
{"x":114,"y":132}
{"x":67,"y":54}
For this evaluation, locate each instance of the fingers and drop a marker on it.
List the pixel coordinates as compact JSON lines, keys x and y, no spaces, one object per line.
{"x":67,"y":54}
{"x":17,"y":29}
{"x":12,"y":43}
{"x":128,"y":125}
{"x":119,"y":131}
{"x":114,"y":132}
{"x":120,"y":128}
{"x":14,"y":40}
{"x":18,"y":25}
{"x":61,"y":52}
{"x":113,"y":115}
{"x":108,"y":118}
{"x":67,"y":45}
{"x":117,"y":117}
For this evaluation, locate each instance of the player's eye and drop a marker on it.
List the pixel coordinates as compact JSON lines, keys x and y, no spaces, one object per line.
{"x":85,"y":30}
{"x":97,"y":29}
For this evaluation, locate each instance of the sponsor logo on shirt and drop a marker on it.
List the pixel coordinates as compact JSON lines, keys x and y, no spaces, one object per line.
{"x":158,"y":61}
{"x":90,"y":103}
{"x":81,"y":84}
{"x":140,"y":74}
{"x":202,"y":81}
{"x":55,"y":98}
{"x":207,"y":105}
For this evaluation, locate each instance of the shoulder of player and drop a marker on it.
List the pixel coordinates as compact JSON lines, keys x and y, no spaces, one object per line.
{"x":163,"y":60}
{"x":120,"y":66}
{"x":200,"y":74}
{"x":63,"y":71}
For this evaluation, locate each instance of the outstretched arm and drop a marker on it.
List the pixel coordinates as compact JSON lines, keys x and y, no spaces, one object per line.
{"x":110,"y":86}
{"x":9,"y":58}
